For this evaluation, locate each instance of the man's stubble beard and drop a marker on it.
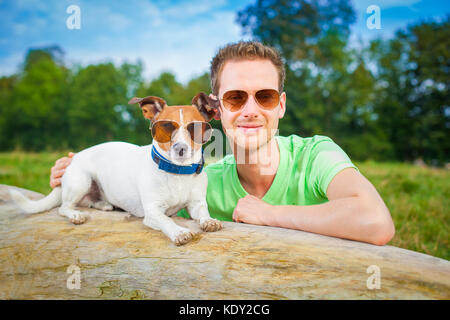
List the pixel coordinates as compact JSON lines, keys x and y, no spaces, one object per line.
{"x":252,"y":152}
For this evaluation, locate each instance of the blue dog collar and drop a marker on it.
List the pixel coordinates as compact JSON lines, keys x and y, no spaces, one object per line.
{"x":170,"y":167}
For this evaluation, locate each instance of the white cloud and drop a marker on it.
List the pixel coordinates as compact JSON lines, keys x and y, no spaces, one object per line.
{"x":19,"y":29}
{"x":103,"y":18}
{"x":184,"y":50}
{"x":180,"y":37}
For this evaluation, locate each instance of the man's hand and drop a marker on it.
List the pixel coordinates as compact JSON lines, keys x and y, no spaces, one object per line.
{"x":253,"y":210}
{"x":58,"y":170}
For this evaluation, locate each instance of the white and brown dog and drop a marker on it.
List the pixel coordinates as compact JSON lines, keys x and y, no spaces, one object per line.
{"x":153,"y":181}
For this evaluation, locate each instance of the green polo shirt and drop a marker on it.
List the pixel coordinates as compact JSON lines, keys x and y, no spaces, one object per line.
{"x":307,"y":166}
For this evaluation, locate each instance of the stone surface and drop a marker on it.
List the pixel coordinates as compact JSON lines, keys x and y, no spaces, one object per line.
{"x":120,"y":258}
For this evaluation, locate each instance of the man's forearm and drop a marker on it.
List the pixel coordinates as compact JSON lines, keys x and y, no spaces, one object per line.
{"x":350,"y":218}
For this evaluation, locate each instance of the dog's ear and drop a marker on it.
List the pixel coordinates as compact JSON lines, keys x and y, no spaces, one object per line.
{"x":151,"y":106}
{"x":207,"y":106}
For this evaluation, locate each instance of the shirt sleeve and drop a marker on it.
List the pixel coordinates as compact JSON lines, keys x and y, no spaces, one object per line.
{"x":327,"y":159}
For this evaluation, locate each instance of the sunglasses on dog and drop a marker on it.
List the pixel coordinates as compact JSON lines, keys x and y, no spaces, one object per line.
{"x":199,"y":131}
{"x":234,"y":100}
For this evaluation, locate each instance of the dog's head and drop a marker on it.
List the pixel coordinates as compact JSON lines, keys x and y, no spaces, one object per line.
{"x":180,"y":130}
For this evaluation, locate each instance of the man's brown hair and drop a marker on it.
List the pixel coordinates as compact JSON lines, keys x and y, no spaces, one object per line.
{"x":245,"y":50}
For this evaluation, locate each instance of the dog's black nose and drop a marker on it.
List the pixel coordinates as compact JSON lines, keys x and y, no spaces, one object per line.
{"x":180,"y":148}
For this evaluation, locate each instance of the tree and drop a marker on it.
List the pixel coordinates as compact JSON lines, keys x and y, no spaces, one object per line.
{"x":7,"y":112}
{"x":95,"y":94}
{"x":37,"y":115}
{"x":295,"y":26}
{"x":429,"y":74}
{"x":412,"y":103}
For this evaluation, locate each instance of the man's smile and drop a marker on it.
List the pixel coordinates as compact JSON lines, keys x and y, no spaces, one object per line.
{"x":249,"y":127}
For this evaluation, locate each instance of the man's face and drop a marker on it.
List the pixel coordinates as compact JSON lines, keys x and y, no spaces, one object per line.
{"x":251,"y":127}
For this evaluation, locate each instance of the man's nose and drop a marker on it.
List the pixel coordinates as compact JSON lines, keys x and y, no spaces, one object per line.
{"x":180,"y":148}
{"x":250,"y":108}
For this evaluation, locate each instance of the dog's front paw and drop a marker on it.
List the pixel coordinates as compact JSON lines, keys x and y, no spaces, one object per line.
{"x":78,"y":218}
{"x":184,"y":237}
{"x":211,"y":225}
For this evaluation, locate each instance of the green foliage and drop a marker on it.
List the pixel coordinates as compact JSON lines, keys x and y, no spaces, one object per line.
{"x":36,"y":114}
{"x":94,"y":94}
{"x":7,"y":85}
{"x":413,"y":91}
{"x":295,"y":27}
{"x":165,"y":86}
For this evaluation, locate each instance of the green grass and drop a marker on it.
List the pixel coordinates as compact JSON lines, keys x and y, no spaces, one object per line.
{"x":419,"y":202}
{"x":418,"y":198}
{"x":28,"y":170}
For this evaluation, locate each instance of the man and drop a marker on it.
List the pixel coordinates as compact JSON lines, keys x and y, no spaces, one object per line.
{"x":307,"y":184}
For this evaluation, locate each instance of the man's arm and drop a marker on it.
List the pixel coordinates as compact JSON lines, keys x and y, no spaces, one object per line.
{"x":354,"y":211}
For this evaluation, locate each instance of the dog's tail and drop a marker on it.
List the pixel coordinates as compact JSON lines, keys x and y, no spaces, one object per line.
{"x":31,"y":206}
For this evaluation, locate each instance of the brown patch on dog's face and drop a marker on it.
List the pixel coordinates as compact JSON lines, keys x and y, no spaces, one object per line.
{"x":155,"y":109}
{"x":182,"y":115}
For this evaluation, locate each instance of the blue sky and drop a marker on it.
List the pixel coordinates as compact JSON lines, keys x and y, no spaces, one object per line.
{"x":180,"y":36}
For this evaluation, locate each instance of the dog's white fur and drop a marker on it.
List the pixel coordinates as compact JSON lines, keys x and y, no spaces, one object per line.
{"x":128,"y":178}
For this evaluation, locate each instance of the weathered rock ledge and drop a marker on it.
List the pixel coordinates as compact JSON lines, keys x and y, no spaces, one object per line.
{"x":120,"y":258}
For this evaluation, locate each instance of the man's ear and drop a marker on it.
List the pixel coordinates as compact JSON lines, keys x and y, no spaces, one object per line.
{"x":207,"y":106}
{"x":151,"y":106}
{"x":282,"y":105}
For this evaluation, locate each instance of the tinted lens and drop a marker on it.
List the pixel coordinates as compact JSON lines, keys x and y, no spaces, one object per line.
{"x":200,"y":131}
{"x":267,"y":98}
{"x":162,"y":130}
{"x":234,"y":100}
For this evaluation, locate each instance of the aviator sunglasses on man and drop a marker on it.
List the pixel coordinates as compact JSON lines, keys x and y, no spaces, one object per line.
{"x":199,"y":131}
{"x":234,"y":100}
